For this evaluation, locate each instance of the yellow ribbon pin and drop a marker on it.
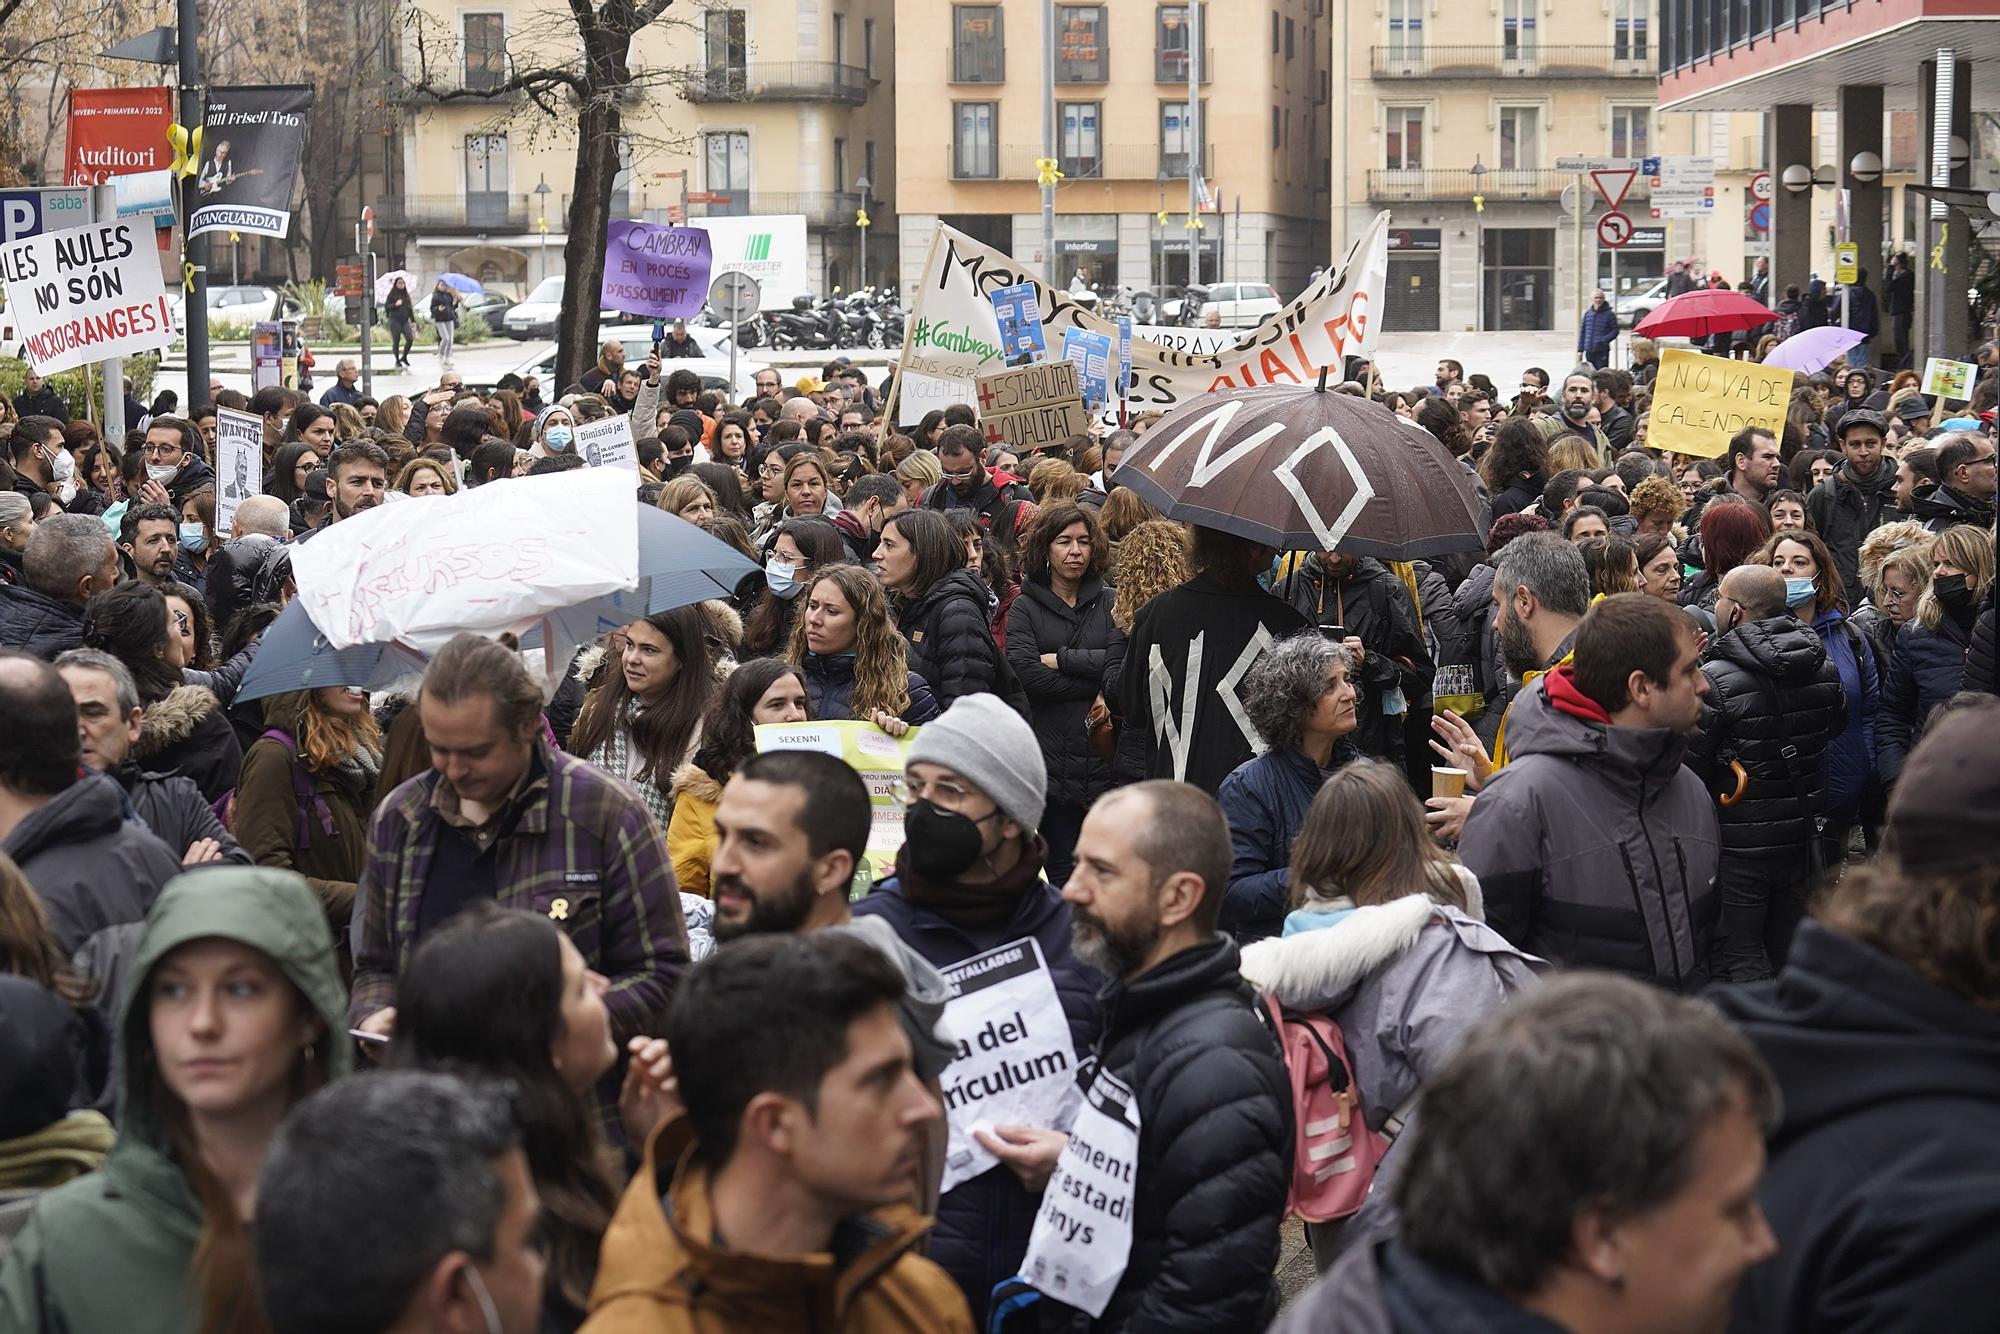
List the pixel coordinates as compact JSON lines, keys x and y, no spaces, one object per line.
{"x":1937,"y":251}
{"x":187,"y":149}
{"x":559,"y":910}
{"x":187,"y":278}
{"x":1046,"y":173}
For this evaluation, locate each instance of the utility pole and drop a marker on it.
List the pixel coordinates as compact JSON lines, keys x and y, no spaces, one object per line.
{"x":1194,"y":129}
{"x":1940,"y":278}
{"x":1047,"y":176}
{"x":196,"y":287}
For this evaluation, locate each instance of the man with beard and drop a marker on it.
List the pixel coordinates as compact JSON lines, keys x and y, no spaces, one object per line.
{"x":357,"y":477}
{"x":1541,"y":589}
{"x":1189,"y":1102}
{"x":969,"y":896}
{"x":1579,"y":396}
{"x":967,"y":485}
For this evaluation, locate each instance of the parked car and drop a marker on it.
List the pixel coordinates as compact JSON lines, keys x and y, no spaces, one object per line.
{"x":712,"y":366}
{"x":239,"y":303}
{"x":535,"y":315}
{"x":1235,"y":305}
{"x":489,"y":306}
{"x":1637,"y":304}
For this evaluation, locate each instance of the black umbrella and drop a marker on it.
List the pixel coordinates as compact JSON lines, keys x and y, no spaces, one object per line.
{"x":1304,"y":469}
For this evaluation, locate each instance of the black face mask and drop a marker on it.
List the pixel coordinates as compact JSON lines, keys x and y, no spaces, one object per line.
{"x":678,"y":464}
{"x":942,"y":844}
{"x":1952,"y":592}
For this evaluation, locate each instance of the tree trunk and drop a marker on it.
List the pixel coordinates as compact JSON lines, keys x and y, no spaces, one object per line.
{"x":598,"y":124}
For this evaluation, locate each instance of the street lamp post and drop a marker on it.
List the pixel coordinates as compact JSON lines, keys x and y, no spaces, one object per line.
{"x":862,"y":186}
{"x":542,"y":222}
{"x":1479,"y":243}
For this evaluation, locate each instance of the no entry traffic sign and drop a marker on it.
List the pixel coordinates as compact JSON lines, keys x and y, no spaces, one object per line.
{"x":1614,"y":229}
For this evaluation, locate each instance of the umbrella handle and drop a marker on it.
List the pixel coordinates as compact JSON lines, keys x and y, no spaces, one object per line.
{"x":1322,"y":379}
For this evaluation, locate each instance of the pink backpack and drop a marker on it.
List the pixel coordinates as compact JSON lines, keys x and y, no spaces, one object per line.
{"x":1334,"y":1153}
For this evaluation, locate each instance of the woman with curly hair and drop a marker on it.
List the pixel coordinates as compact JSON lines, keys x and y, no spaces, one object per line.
{"x":425,"y":476}
{"x":1895,"y":567}
{"x":1613,"y":565}
{"x":644,"y":720}
{"x":1515,"y":467}
{"x":1151,"y":558}
{"x":1300,"y":698}
{"x":855,"y":664}
{"x":1121,"y":512}
{"x":1655,"y":505}
{"x":766,"y":690}
{"x":307,"y":790}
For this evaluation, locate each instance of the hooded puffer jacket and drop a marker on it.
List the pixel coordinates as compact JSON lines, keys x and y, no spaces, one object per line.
{"x":34,"y":622}
{"x":186,"y":733}
{"x":112,"y":1251}
{"x":829,"y":679}
{"x":92,"y":868}
{"x":1770,"y":687}
{"x":1080,"y":637}
{"x":950,"y":638}
{"x":1944,"y":508}
{"x":1594,"y":847}
{"x":1845,"y":508}
{"x":1883,"y":1185}
{"x":174,"y":809}
{"x":1927,"y":668}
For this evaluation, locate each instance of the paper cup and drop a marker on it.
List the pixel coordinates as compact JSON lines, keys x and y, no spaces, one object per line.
{"x":1447,"y":782}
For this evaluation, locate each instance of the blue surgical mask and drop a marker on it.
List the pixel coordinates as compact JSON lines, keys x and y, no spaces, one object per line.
{"x":1798,"y":591}
{"x":193,"y":537}
{"x":781,"y":577}
{"x":557,"y":438}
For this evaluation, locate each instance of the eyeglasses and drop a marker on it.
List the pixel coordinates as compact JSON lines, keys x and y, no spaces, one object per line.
{"x":154,"y":449}
{"x":954,"y":477}
{"x":941,"y":793}
{"x":181,"y":623}
{"x":1897,"y":595}
{"x":771,"y":470}
{"x":1989,"y":458}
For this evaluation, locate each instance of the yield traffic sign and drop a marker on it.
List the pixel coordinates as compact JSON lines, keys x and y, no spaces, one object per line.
{"x":1614,"y":229}
{"x":1613,"y":185}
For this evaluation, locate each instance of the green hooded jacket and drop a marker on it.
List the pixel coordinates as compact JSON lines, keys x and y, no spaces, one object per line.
{"x":112,"y":1251}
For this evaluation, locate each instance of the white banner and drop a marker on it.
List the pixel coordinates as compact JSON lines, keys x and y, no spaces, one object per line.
{"x":1016,"y":1064}
{"x":953,"y":335}
{"x":492,"y":558}
{"x":87,"y":293}
{"x":607,"y":442}
{"x":1082,"y":1238}
{"x":239,"y":463}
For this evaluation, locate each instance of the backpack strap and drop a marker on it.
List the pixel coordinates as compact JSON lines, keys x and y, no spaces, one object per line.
{"x":304,"y":794}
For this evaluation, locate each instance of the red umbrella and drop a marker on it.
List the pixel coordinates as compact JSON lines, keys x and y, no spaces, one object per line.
{"x":1705,"y":311}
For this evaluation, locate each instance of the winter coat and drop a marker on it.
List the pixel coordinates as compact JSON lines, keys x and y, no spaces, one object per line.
{"x":1599,"y":328}
{"x":1519,"y":493}
{"x":1926,"y":669}
{"x":278,"y":833}
{"x":1883,"y":1183}
{"x":1215,"y":1145}
{"x":1770,"y":688}
{"x":187,"y":733}
{"x":1374,"y":606}
{"x":1060,"y":697}
{"x":1266,"y":800}
{"x":1980,"y":672}
{"x":660,"y":1270}
{"x":829,"y":680}
{"x":113,"y":1251}
{"x":34,"y":622}
{"x":195,"y":475}
{"x":174,"y":809}
{"x":950,"y":639}
{"x":1942,"y":508}
{"x":1207,"y":635}
{"x":91,"y":866}
{"x":1002,"y":508}
{"x":1381,"y":1288}
{"x":399,"y":306}
{"x":1594,"y":847}
{"x":982,"y":1227}
{"x":691,"y":837}
{"x":1849,"y":766}
{"x":232,"y":575}
{"x":44,"y":402}
{"x":1844,"y":509}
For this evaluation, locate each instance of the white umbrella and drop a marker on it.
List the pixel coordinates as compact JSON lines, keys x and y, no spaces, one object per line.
{"x":388,"y":280}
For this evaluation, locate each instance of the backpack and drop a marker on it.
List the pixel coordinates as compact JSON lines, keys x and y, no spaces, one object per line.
{"x":304,"y":794}
{"x":1334,"y":1153}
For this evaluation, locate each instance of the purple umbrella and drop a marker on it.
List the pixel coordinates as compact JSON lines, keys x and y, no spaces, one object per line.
{"x":1813,"y":349}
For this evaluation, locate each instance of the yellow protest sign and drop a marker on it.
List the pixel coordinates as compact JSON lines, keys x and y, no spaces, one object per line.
{"x":1847,"y":263}
{"x":878,"y":758}
{"x":1700,"y":401}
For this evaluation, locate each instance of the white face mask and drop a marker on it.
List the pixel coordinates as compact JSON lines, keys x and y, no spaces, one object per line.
{"x":162,"y":472}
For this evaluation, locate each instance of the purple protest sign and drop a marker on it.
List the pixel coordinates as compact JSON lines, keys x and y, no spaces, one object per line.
{"x":651,"y":269}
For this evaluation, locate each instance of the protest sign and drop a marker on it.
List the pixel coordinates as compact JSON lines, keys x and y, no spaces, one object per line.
{"x":607,"y":442}
{"x":656,"y":270}
{"x":1124,"y":355}
{"x":1020,"y":318}
{"x":487,"y":558}
{"x":239,"y":462}
{"x":86,"y":293}
{"x":1031,"y":408}
{"x":116,"y":131}
{"x":953,"y":337}
{"x":251,"y":147}
{"x":878,"y":758}
{"x":1015,"y":1064}
{"x":1700,"y":401}
{"x":1090,"y":352}
{"x":1082,"y":1238}
{"x":1949,"y":379}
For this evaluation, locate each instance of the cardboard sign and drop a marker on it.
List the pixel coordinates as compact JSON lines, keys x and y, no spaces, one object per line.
{"x":1020,"y":317}
{"x":878,"y":758}
{"x":239,"y":462}
{"x":1944,"y":378}
{"x":1082,"y":1239}
{"x":1033,"y":407}
{"x":607,"y":442}
{"x":1700,"y":401}
{"x":86,"y":293}
{"x":1090,"y":352}
{"x":655,"y":270}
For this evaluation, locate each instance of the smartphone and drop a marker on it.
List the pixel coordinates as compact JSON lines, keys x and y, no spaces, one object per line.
{"x":362,"y":1035}
{"x":1336,"y":633}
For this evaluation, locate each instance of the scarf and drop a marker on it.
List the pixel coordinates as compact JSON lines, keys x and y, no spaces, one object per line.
{"x":981,"y":907}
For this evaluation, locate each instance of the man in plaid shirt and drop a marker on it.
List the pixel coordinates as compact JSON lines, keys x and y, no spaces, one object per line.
{"x":504,"y":815}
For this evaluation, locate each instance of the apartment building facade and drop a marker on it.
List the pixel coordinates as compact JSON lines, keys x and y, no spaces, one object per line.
{"x":969,"y":126}
{"x":784,"y":107}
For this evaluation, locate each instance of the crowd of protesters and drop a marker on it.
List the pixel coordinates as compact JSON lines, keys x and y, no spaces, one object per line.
{"x":1636,"y":870}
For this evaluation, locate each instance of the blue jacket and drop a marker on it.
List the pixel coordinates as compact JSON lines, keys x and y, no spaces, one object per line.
{"x":1265,"y":800}
{"x":829,"y":682}
{"x":981,"y":1234}
{"x":1927,"y":669}
{"x":1850,"y":756}
{"x":1600,"y":328}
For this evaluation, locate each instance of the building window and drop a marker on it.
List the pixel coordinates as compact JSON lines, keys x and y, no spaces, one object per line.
{"x":868,"y":47}
{"x":840,"y":177}
{"x":1403,"y":138}
{"x":977,"y":53}
{"x":1080,"y":53}
{"x":1170,"y":44}
{"x":724,"y":48}
{"x":1520,"y":138}
{"x":1175,"y":137}
{"x":1274,"y":129}
{"x":1629,"y":136}
{"x":727,"y":159}
{"x":1517,"y":29}
{"x":839,"y":39}
{"x":485,"y":51}
{"x":1081,"y":148}
{"x":868,"y":161}
{"x":1406,"y":27}
{"x":973,"y":153}
{"x":1289,"y":34}
{"x":485,"y":180}
{"x":1628,"y":29}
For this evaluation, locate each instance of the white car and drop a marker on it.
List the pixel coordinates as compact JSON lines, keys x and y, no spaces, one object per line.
{"x":1237,"y":305}
{"x":712,"y":366}
{"x":1637,"y":305}
{"x":535,"y":315}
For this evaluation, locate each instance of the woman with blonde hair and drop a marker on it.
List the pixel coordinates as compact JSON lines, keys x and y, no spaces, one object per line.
{"x":687,"y":497}
{"x":393,"y":414}
{"x":307,"y":791}
{"x":917,"y":474}
{"x":854,"y":662}
{"x":1152,"y":558}
{"x":347,"y":423}
{"x":1895,"y":565}
{"x":1570,"y":450}
{"x":1123,"y":511}
{"x":425,"y":476}
{"x":1928,"y":666}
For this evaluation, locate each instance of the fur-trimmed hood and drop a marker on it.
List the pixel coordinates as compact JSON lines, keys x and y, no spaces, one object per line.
{"x":1315,"y":969}
{"x":690,"y":780}
{"x":170,"y":720}
{"x":725,"y":630}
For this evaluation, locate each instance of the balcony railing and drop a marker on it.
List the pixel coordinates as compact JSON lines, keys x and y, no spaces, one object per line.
{"x":1116,"y":162}
{"x":476,"y":212}
{"x":1398,"y":185}
{"x":822,"y":208}
{"x":780,"y":81}
{"x":1513,"y":62}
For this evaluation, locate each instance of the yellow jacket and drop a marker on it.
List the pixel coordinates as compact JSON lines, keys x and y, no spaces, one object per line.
{"x":657,"y":1272}
{"x":691,"y":832}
